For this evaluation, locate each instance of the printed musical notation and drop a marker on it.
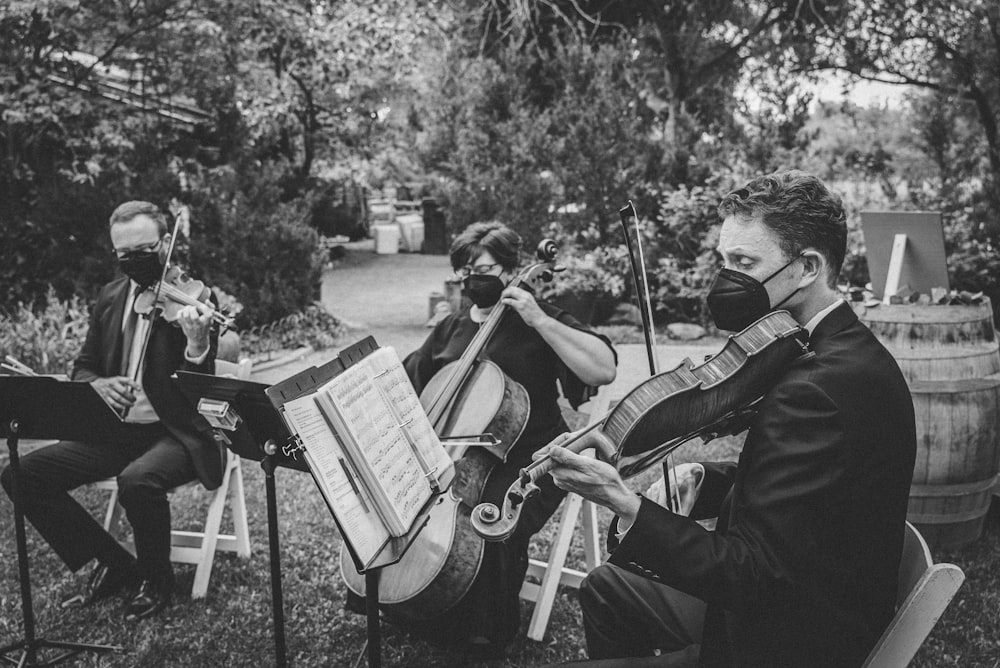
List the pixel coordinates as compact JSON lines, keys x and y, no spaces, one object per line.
{"x":397,"y":391}
{"x":364,"y":412}
{"x":371,"y":449}
{"x":362,"y":526}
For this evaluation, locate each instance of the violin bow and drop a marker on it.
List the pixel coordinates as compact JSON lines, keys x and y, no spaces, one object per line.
{"x":179,"y":215}
{"x":637,"y":262}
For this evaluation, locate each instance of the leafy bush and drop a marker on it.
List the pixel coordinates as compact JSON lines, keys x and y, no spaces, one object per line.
{"x":601,"y":272}
{"x":47,"y":339}
{"x":313,"y":326}
{"x":251,"y":244}
{"x":519,"y":136}
{"x":682,"y":249}
{"x":485,"y":143}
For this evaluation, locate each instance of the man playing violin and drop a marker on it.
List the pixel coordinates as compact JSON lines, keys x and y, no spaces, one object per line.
{"x":801,"y":569}
{"x":161,"y":443}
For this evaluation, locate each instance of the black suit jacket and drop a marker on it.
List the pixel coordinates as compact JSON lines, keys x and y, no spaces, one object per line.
{"x":101,"y":357}
{"x":801,"y":569}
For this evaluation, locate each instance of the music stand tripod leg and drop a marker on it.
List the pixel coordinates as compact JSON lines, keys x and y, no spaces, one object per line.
{"x":277,"y":603}
{"x":30,"y":645}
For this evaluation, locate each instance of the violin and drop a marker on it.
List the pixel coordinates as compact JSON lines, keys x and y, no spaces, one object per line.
{"x":707,"y":400}
{"x":176,"y":290}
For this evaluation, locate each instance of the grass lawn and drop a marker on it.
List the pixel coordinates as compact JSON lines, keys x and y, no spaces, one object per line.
{"x":232,"y":626}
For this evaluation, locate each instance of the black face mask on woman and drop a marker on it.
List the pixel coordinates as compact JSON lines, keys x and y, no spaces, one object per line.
{"x":483,"y":289}
{"x":143,"y":267}
{"x":737,"y":300}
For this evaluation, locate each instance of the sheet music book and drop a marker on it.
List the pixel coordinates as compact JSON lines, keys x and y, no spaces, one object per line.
{"x":348,"y":501}
{"x":376,"y":415}
{"x":372,"y":451}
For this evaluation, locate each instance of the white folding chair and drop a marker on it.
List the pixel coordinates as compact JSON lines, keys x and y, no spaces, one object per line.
{"x":553,"y":572}
{"x":923,"y":593}
{"x":199,"y":547}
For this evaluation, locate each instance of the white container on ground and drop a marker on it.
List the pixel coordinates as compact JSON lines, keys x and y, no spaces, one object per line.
{"x":386,"y":239}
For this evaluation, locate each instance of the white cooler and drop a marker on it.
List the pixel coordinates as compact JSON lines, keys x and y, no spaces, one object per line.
{"x":386,"y":239}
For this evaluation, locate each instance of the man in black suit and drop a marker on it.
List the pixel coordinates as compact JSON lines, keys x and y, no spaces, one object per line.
{"x":801,"y":569}
{"x":162,"y":443}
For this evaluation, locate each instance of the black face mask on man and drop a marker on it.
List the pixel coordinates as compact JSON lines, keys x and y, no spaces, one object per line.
{"x":143,"y":267}
{"x":737,"y":300}
{"x":483,"y":289}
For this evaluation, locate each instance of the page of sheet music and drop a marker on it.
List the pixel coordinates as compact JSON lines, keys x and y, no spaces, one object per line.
{"x":363,"y":526}
{"x":391,"y":379}
{"x":393,"y":472}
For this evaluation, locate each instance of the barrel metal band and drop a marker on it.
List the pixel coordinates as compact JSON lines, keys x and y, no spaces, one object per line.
{"x":955,"y":489}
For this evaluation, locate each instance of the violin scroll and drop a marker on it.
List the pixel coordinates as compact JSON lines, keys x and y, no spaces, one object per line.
{"x":495,"y":524}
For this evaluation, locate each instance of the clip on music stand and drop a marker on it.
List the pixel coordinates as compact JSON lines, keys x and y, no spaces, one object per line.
{"x":392,"y":552}
{"x":43,"y":407}
{"x":260,"y":429}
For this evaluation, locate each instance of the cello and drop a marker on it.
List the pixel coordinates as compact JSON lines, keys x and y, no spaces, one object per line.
{"x":469,"y":396}
{"x":707,"y":400}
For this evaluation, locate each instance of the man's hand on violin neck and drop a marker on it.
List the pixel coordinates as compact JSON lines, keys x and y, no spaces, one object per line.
{"x":196,"y":322}
{"x":594,"y":480}
{"x":117,"y":391}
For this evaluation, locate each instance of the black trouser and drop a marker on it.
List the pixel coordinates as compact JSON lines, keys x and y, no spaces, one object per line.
{"x":627,"y":615}
{"x":147,"y":461}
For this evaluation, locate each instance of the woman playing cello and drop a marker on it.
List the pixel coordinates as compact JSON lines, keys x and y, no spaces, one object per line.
{"x":536,"y":345}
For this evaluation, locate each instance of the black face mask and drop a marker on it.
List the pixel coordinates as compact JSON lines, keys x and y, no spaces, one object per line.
{"x":737,"y":300}
{"x":143,"y":267}
{"x":483,"y":289}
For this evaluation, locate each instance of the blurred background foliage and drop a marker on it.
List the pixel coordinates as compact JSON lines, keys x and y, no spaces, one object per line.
{"x":274,"y":120}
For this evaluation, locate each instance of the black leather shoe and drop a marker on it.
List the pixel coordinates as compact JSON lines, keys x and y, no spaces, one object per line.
{"x":105,"y":582}
{"x":154,"y":595}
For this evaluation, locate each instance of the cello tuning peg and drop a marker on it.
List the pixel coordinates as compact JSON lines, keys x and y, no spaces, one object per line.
{"x":558,"y":268}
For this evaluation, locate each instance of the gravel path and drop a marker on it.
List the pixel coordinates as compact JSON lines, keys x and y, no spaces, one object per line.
{"x":387,"y":296}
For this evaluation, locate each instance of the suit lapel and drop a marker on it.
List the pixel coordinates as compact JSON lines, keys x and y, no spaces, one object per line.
{"x":112,"y":334}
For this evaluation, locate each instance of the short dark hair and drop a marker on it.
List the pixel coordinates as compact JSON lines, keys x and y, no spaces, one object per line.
{"x":129,"y":210}
{"x":800,"y":209}
{"x":499,"y":240}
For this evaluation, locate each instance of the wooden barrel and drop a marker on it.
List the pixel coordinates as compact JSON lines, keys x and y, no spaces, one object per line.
{"x":948,"y":355}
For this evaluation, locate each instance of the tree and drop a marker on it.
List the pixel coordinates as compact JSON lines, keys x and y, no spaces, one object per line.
{"x":951,"y":47}
{"x":315,"y":78}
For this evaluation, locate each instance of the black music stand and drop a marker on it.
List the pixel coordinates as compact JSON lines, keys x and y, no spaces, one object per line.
{"x":45,"y":408}
{"x":392,"y":552}
{"x":264,"y":436}
{"x":256,"y":438}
